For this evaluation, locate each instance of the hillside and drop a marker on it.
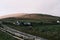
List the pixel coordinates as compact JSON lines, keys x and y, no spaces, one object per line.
{"x":40,"y":17}
{"x":48,"y":31}
{"x":12,"y":15}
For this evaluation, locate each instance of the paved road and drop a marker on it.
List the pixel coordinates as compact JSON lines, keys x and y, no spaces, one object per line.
{"x":21,"y":34}
{"x":3,"y":30}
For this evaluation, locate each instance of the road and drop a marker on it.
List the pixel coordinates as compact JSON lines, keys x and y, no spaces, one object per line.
{"x":20,"y":35}
{"x":3,"y":30}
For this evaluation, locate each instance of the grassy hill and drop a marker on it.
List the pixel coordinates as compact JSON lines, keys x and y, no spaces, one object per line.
{"x":37,"y":17}
{"x":51,"y":32}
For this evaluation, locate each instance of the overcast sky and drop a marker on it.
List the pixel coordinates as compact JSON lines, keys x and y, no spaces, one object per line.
{"x":51,"y":7}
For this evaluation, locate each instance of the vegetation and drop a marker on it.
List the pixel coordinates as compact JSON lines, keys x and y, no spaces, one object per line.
{"x":4,"y":36}
{"x":44,"y":26}
{"x":51,"y":32}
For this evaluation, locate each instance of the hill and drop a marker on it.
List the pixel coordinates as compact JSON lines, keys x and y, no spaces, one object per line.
{"x":50,"y":32}
{"x":12,"y":15}
{"x":40,"y":17}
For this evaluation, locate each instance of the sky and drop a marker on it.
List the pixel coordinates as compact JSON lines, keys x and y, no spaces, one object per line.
{"x":51,"y":7}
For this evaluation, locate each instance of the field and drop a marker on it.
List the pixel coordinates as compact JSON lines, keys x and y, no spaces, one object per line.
{"x":4,"y":36}
{"x":51,"y":32}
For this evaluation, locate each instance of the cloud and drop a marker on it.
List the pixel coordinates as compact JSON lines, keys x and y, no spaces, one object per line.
{"x":30,"y":6}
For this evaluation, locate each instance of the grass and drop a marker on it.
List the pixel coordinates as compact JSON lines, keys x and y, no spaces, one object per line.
{"x":4,"y":36}
{"x":51,"y":32}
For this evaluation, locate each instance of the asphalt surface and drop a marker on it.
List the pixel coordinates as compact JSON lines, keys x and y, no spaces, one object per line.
{"x":20,"y":35}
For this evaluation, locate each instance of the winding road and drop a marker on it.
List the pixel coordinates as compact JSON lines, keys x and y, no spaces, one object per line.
{"x":19,"y":35}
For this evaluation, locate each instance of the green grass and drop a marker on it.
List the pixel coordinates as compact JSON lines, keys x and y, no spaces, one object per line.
{"x":4,"y":36}
{"x":51,"y":32}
